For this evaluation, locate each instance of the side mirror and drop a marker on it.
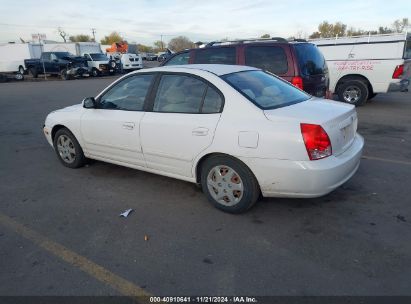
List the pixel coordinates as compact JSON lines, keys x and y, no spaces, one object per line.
{"x":89,"y":103}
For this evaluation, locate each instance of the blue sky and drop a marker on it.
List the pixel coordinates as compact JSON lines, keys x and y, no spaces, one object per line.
{"x":145,"y":21}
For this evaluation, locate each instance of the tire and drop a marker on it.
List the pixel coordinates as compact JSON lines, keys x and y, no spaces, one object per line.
{"x":64,"y":75}
{"x":19,"y":76}
{"x":21,"y":70}
{"x":371,"y":96}
{"x":33,"y":72}
{"x":353,"y":91}
{"x":95,"y":72}
{"x":234,"y":195}
{"x":68,"y":150}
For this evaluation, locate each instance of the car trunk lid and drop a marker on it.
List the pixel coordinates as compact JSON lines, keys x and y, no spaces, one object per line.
{"x":338,"y":119}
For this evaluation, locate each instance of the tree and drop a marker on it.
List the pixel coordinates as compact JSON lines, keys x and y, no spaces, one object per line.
{"x":62,"y":33}
{"x":144,"y":48}
{"x":400,"y":25}
{"x":80,"y":38}
{"x":265,"y":36}
{"x":158,"y":45}
{"x":385,"y":30}
{"x":114,"y":37}
{"x":180,"y":43}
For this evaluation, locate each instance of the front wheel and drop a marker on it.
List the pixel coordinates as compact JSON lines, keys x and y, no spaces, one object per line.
{"x":95,"y":72}
{"x":64,"y":74}
{"x":68,"y":150}
{"x":229,"y":184}
{"x":354,"y":92}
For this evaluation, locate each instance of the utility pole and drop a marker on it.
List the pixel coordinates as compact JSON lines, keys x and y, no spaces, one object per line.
{"x":93,"y":31}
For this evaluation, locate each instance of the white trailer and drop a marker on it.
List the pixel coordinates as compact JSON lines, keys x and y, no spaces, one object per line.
{"x":75,"y":48}
{"x":362,"y":66}
{"x":12,"y":56}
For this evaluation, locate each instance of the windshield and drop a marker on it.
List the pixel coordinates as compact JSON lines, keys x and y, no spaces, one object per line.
{"x":63,"y":54}
{"x":407,"y":50}
{"x":310,"y":59}
{"x":265,"y":90}
{"x":99,"y":57}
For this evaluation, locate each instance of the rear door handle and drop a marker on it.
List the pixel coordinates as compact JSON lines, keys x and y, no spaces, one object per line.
{"x":128,"y":125}
{"x":200,"y":131}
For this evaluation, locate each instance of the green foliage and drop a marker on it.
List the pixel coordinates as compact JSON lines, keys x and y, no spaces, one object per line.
{"x":265,"y":36}
{"x":114,"y":37}
{"x":80,"y":38}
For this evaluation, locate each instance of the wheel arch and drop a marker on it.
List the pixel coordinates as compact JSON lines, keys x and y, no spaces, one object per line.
{"x":348,"y":77}
{"x":56,"y":128}
{"x":200,"y":162}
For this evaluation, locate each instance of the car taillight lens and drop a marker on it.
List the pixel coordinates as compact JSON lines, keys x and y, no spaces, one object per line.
{"x":316,"y":141}
{"x":298,"y":82}
{"x":399,"y":69}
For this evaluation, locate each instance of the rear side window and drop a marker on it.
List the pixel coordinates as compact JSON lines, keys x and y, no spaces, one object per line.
{"x":310,"y":59}
{"x":223,"y":55}
{"x":179,"y":59}
{"x":212,"y":102}
{"x":179,"y":94}
{"x":268,"y":58}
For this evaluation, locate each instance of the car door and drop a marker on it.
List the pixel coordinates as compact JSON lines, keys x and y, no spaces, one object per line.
{"x":111,"y":131}
{"x":184,"y":116}
{"x":53,"y":65}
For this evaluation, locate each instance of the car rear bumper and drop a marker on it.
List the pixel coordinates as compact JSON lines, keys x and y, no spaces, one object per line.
{"x":285,"y":178}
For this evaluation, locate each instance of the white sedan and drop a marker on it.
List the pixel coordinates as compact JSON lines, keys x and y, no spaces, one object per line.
{"x":236,"y":130}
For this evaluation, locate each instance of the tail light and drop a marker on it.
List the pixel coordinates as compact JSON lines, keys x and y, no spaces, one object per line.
{"x":399,"y":69}
{"x":298,"y":82}
{"x":316,"y":141}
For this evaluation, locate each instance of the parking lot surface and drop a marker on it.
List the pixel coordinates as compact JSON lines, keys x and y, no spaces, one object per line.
{"x":61,"y":234}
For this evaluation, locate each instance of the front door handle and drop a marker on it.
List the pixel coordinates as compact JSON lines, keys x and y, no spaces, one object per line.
{"x":200,"y":131}
{"x":128,"y":125}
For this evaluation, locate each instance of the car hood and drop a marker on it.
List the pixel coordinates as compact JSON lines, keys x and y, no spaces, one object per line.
{"x":73,"y":108}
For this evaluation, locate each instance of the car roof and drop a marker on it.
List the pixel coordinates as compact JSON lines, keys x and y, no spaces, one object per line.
{"x":217,"y":69}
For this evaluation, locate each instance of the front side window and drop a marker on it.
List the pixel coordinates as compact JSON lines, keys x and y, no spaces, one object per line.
{"x":179,"y":94}
{"x":218,"y":55}
{"x":179,"y":59}
{"x":268,"y":58}
{"x":265,"y":90}
{"x":129,"y":94}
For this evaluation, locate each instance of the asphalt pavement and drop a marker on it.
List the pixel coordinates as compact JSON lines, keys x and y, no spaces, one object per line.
{"x":61,"y":234}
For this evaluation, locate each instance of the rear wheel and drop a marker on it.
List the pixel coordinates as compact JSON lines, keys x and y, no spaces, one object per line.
{"x":229,"y":184}
{"x":353,"y":91}
{"x":371,"y":96}
{"x":68,"y":149}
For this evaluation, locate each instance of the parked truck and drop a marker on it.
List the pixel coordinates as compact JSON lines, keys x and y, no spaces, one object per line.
{"x":63,"y":64}
{"x":99,"y":64}
{"x":126,"y":56}
{"x":361,"y":67}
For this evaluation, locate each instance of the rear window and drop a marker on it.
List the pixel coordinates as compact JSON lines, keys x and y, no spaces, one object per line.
{"x":310,"y":59}
{"x":268,"y":58}
{"x":265,"y":90}
{"x":224,"y":55}
{"x":407,"y":50}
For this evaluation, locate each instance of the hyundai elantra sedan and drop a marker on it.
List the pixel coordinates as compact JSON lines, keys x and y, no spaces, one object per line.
{"x":238,"y":131}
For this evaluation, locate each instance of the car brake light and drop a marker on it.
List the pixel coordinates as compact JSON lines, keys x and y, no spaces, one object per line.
{"x":316,"y":141}
{"x":399,"y":69}
{"x":298,"y":82}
